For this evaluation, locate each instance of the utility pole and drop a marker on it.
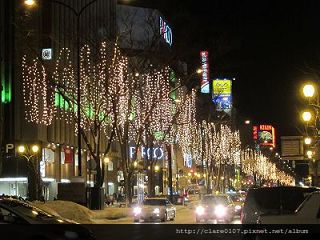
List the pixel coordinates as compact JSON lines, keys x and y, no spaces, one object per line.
{"x":170,"y":171}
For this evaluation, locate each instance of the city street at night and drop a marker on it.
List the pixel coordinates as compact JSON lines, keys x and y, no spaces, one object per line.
{"x":162,"y":119}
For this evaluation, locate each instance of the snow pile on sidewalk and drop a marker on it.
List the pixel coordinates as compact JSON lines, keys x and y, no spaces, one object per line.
{"x":112,"y":213}
{"x":81,"y":214}
{"x":67,"y":209}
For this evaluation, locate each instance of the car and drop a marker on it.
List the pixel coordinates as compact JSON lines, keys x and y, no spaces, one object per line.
{"x":307,"y":213}
{"x":272,"y":200}
{"x":217,"y":207}
{"x":154,"y":209}
{"x":238,"y":200}
{"x":193,"y":192}
{"x":16,"y":211}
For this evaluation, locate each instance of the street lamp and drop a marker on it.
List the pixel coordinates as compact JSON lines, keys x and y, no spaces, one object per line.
{"x":309,"y":154}
{"x":308,"y":90}
{"x":25,"y":152}
{"x":30,"y":3}
{"x":28,"y":153}
{"x":307,"y":140}
{"x":306,"y":116}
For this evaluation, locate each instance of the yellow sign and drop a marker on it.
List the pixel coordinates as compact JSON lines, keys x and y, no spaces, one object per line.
{"x":221,"y":87}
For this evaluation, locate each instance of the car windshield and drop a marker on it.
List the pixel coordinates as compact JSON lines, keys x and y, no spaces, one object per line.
{"x":28,"y":210}
{"x":152,"y":202}
{"x":215,"y":200}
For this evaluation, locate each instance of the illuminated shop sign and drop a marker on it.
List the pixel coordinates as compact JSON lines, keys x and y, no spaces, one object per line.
{"x":155,"y":153}
{"x":223,"y":102}
{"x":205,"y":87}
{"x":255,"y":132}
{"x":266,"y":136}
{"x":222,"y":87}
{"x":222,"y":94}
{"x":165,"y":31}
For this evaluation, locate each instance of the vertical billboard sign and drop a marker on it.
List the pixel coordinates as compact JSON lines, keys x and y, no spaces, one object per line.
{"x":165,"y":31}
{"x":205,"y":87}
{"x":222,"y":94}
{"x":267,"y":136}
{"x":255,"y":132}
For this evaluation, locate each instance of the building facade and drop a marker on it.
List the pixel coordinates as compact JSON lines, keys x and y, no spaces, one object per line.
{"x":42,"y":31}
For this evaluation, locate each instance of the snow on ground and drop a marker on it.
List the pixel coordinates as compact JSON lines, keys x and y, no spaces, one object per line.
{"x":67,"y":209}
{"x":109,"y":215}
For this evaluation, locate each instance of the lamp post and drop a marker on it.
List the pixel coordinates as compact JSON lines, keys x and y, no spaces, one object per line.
{"x":28,"y":153}
{"x":77,"y":14}
{"x":311,"y":118}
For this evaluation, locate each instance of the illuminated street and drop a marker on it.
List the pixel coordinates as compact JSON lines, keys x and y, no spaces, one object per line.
{"x":162,"y":119}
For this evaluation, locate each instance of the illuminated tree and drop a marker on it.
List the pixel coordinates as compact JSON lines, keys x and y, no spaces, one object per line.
{"x":49,"y":96}
{"x":255,"y":164}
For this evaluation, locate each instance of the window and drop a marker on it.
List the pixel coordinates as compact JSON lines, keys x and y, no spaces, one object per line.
{"x":110,"y":166}
{"x":8,"y":217}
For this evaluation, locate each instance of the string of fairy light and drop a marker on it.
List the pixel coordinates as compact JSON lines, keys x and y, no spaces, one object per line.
{"x":111,"y":93}
{"x":254,"y":162}
{"x":37,"y":95}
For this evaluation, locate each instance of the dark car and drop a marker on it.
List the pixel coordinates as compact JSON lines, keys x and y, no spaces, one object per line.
{"x":215,"y":207}
{"x":273,"y":200}
{"x":15,"y":212}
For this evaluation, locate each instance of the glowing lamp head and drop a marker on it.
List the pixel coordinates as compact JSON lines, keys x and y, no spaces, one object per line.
{"x":156,"y":168}
{"x":35,"y":148}
{"x":135,"y":163}
{"x":21,"y":149}
{"x":29,"y":3}
{"x":247,"y":122}
{"x":307,"y":140}
{"x":309,"y":153}
{"x":308,"y":90}
{"x":106,"y":160}
{"x":199,"y":70}
{"x":306,"y":116}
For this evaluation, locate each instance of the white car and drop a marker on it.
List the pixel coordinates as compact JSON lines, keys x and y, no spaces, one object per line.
{"x":154,"y":209}
{"x":307,"y":213}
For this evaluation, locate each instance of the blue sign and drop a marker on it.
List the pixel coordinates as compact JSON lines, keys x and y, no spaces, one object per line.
{"x":223,"y":102}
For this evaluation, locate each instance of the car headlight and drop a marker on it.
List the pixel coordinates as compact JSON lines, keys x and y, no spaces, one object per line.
{"x":220,"y":210}
{"x":137,"y":210}
{"x":156,"y":210}
{"x":200,"y":210}
{"x":237,"y":207}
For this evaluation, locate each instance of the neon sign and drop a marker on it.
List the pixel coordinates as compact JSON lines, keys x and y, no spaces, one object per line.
{"x":165,"y":31}
{"x":204,"y":56}
{"x":155,"y":153}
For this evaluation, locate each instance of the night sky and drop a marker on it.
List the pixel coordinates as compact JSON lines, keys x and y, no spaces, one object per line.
{"x":267,"y":45}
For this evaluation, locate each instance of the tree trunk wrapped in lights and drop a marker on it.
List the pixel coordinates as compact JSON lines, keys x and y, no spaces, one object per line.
{"x":116,"y":104}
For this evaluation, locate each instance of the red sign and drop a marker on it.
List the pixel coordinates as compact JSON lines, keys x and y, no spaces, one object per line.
{"x":68,"y":155}
{"x":265,"y":127}
{"x":255,"y":132}
{"x":265,"y":134}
